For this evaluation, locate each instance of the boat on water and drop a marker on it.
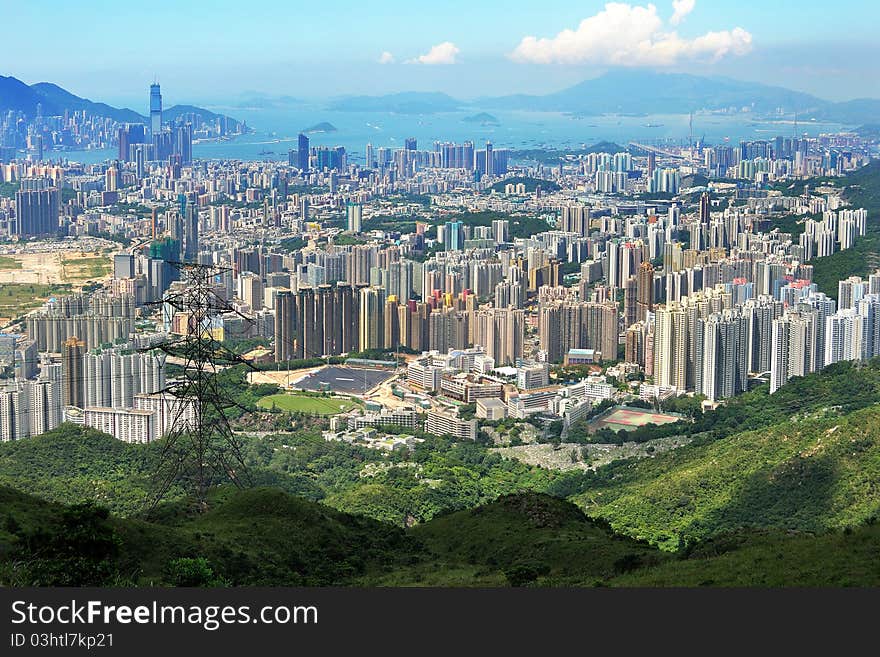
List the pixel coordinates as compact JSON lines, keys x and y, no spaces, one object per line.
{"x":266,"y":153}
{"x":653,"y":125}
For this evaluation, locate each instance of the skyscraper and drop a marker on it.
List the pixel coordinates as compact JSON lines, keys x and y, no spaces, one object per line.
{"x":155,"y":109}
{"x":354,"y":211}
{"x":36,"y":208}
{"x":453,"y":239}
{"x":792,"y":348}
{"x":645,"y":291}
{"x":721,"y":360}
{"x":72,"y":379}
{"x":372,"y":316}
{"x":284,"y":325}
{"x":182,"y":143}
{"x":191,"y":228}
{"x":302,"y":153}
{"x":705,"y":208}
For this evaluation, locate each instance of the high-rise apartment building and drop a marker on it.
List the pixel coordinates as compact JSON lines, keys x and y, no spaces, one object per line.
{"x":37,"y":208}
{"x":354,"y":212}
{"x":72,"y":374}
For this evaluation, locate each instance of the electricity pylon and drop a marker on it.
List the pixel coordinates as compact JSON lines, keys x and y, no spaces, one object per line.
{"x":200,"y":448}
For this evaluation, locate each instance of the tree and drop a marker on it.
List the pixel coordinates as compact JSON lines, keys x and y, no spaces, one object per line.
{"x":187,"y":571}
{"x":80,"y":550}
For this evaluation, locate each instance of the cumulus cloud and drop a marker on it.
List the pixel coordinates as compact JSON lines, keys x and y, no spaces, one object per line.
{"x":442,"y":53}
{"x":628,"y":35}
{"x":681,"y":8}
{"x":386,"y":58}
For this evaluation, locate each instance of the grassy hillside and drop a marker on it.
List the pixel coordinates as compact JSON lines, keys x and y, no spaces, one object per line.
{"x":265,"y":537}
{"x":518,"y":540}
{"x":74,"y":464}
{"x":771,"y":559}
{"x":810,"y":473}
{"x":253,"y":537}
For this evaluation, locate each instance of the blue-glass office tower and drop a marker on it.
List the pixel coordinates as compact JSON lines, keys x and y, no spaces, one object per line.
{"x":155,"y":109}
{"x":302,"y":154}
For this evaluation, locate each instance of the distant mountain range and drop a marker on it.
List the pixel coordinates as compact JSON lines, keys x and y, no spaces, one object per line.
{"x":635,"y":92}
{"x":17,"y":96}
{"x":616,"y":92}
{"x":660,"y":93}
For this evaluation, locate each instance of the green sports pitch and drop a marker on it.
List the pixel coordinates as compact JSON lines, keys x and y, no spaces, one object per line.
{"x":307,"y":404}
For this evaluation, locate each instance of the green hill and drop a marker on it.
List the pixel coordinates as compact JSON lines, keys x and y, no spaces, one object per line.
{"x":771,"y":559}
{"x":808,"y":474}
{"x":74,"y":464}
{"x":520,"y":539}
{"x":252,"y":537}
{"x":265,"y":537}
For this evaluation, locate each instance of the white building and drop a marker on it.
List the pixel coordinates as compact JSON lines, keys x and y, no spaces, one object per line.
{"x":125,"y":424}
{"x":491,"y":409}
{"x":443,"y":424}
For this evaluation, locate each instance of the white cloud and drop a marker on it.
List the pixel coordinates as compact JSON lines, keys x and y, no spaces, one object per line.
{"x":442,"y":53}
{"x":681,"y":8}
{"x":628,"y":35}
{"x":386,"y":58}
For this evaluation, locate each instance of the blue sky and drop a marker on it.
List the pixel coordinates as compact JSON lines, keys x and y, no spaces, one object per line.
{"x":212,"y":51}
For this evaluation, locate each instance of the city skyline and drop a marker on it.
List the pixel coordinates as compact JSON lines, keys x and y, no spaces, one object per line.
{"x":464,"y":295}
{"x":471,"y":51}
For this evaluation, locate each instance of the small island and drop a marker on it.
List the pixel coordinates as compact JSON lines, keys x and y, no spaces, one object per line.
{"x":482,"y":118}
{"x":320,"y":127}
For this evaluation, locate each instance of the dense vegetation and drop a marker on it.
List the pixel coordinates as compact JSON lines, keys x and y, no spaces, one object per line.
{"x":813,"y":474}
{"x":265,"y":537}
{"x":520,"y":225}
{"x":658,"y":499}
{"x":72,"y":464}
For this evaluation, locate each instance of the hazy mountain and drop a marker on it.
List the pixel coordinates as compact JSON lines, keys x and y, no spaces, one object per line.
{"x":17,"y":96}
{"x":175,"y":111}
{"x":55,"y":97}
{"x":407,"y":102}
{"x":634,"y":92}
{"x":657,"y":93}
{"x":860,"y":110}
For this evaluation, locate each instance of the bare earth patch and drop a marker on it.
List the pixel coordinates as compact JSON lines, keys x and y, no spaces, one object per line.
{"x":546,"y":456}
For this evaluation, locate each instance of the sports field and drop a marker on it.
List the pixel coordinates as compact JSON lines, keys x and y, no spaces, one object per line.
{"x":307,"y":404}
{"x":626,"y":418}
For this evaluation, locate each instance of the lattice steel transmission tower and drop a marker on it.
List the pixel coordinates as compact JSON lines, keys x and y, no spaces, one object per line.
{"x":200,"y":448}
